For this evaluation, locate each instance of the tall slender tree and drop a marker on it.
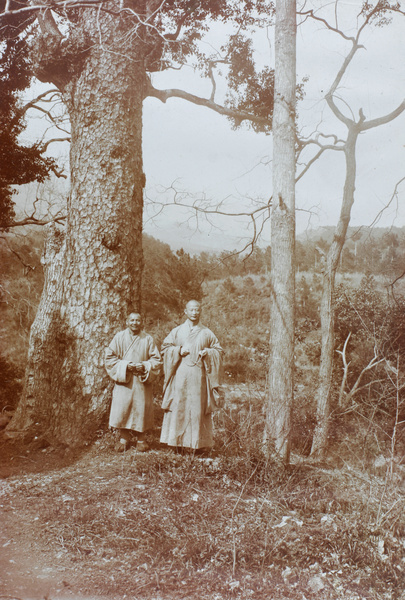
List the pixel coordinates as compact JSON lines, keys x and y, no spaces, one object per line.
{"x":379,"y":12}
{"x":281,"y":363}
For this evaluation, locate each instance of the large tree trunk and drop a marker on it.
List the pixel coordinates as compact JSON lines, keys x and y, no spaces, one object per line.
{"x":281,"y":362}
{"x":324,"y":391}
{"x":100,"y":264}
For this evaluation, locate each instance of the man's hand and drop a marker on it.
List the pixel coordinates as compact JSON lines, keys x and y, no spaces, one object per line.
{"x":184,"y":350}
{"x":136,"y":369}
{"x":203,"y":353}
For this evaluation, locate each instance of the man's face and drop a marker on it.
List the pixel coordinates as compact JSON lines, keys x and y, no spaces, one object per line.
{"x":134,"y":322}
{"x":193,"y":311}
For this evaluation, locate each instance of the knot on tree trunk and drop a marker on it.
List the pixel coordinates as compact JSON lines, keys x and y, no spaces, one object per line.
{"x":53,"y":244}
{"x":58,"y":60}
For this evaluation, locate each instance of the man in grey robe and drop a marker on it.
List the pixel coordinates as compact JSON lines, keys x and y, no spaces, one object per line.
{"x":133,"y":361}
{"x":192,"y":360}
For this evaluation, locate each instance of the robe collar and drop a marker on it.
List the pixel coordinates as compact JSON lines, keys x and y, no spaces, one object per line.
{"x":192,"y":327}
{"x":133,"y":335}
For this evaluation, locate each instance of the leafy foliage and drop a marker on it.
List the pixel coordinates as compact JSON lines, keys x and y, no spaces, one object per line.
{"x":249,"y":90}
{"x":19,"y":164}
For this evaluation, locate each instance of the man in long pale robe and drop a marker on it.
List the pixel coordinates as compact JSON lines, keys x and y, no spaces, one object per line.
{"x":132,"y":360}
{"x":192,"y":360}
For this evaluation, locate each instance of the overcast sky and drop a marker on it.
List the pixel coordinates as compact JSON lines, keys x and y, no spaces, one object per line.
{"x":196,"y":151}
{"x":200,"y":151}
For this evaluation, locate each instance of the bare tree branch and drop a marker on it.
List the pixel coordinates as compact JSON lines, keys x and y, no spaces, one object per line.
{"x":345,"y":369}
{"x":30,"y":220}
{"x":394,"y":195}
{"x":374,"y":362}
{"x":53,"y":140}
{"x":44,"y":97}
{"x":48,"y":23}
{"x":329,"y":96}
{"x":164,"y":95}
{"x":310,"y":14}
{"x":384,"y":119}
{"x":48,"y":114}
{"x":314,"y":159}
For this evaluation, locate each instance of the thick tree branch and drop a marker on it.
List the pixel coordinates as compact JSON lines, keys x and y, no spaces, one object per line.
{"x":41,"y":98}
{"x":330,"y":95}
{"x":48,"y":24}
{"x":164,"y":95}
{"x":384,"y":119}
{"x":364,"y":125}
{"x":48,"y":142}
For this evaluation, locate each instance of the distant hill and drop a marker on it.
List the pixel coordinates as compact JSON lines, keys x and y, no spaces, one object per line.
{"x":378,"y":250}
{"x":353,"y":233}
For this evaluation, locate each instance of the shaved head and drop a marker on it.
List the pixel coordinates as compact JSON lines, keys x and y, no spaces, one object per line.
{"x":193,"y":302}
{"x":134,"y":322}
{"x":193,"y":311}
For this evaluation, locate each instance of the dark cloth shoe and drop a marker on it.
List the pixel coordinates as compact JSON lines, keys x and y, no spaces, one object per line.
{"x":142,"y":446}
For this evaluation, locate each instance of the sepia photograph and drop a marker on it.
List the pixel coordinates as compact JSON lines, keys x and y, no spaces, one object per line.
{"x":202,"y":300}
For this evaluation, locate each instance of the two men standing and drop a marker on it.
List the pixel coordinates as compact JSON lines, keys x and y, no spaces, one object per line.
{"x":192,"y":364}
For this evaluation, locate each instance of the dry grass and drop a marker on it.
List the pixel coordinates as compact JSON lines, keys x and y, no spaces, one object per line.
{"x":231,"y":526}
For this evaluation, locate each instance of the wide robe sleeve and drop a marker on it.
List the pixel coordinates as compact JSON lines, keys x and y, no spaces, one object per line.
{"x":114,"y":365}
{"x":213,"y":368}
{"x":154,"y":363}
{"x":171,"y":360}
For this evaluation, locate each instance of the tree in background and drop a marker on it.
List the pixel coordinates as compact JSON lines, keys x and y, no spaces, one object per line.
{"x":355,"y":127}
{"x":100,"y":57}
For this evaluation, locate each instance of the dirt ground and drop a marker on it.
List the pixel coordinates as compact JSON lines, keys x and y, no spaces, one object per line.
{"x":93,"y":524}
{"x":29,"y":569}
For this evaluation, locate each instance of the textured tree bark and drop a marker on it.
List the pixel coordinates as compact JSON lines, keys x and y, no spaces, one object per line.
{"x":96,"y":275}
{"x":282,"y":315}
{"x":34,"y":408}
{"x":327,"y":312}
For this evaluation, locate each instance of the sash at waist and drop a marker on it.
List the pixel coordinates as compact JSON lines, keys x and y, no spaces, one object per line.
{"x":189,"y":362}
